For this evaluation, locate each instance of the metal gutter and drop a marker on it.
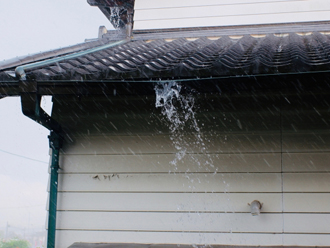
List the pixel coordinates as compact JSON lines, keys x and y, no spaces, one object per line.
{"x":20,"y":70}
{"x":14,"y":62}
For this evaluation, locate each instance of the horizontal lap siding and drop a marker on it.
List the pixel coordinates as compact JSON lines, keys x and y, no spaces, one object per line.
{"x":167,"y":202}
{"x":194,"y":222}
{"x":154,"y":4}
{"x":196,"y":202}
{"x":179,"y":14}
{"x":160,"y":163}
{"x":146,"y":123}
{"x":155,"y":144}
{"x":247,"y":182}
{"x":306,"y":162}
{"x":307,"y":202}
{"x":306,"y":182}
{"x":65,"y":237}
{"x":308,"y":240}
{"x":169,"y":222}
{"x":305,"y":165}
{"x":119,"y":185}
{"x":225,"y":143}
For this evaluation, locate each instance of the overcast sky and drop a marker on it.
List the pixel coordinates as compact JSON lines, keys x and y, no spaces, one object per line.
{"x":29,"y":27}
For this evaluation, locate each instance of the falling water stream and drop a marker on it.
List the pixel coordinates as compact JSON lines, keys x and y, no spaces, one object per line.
{"x":179,"y":110}
{"x":178,"y":107}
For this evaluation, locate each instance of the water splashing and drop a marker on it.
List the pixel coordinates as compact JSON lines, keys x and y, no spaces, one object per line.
{"x":179,"y":110}
{"x":115,"y":17}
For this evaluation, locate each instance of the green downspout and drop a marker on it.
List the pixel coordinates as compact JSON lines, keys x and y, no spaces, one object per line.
{"x":31,"y":108}
{"x":55,"y":143}
{"x":30,"y":100}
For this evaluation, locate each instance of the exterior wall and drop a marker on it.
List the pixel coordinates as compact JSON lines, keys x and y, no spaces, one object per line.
{"x":158,"y":14}
{"x":117,"y":184}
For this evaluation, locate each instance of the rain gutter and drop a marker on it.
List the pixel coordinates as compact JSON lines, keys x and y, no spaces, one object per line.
{"x":30,"y":100}
{"x":20,"y":70}
{"x":26,"y":59}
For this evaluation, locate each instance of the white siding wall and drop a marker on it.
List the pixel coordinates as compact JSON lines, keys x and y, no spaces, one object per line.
{"x":117,"y":183}
{"x":159,"y":14}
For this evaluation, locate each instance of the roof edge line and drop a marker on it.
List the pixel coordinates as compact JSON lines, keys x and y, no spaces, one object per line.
{"x":20,"y":70}
{"x":275,"y":28}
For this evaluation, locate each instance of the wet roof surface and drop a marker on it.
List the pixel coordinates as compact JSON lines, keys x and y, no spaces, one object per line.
{"x":199,"y":57}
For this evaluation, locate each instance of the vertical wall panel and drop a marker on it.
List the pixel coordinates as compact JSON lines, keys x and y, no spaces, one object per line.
{"x":179,"y":14}
{"x":125,"y":187}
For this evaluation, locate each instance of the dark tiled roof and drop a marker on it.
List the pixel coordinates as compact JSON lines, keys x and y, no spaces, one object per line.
{"x":201,"y":57}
